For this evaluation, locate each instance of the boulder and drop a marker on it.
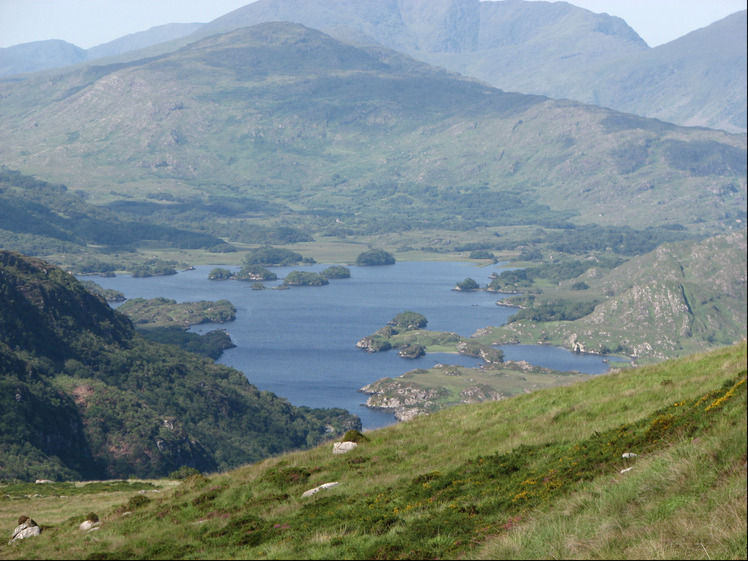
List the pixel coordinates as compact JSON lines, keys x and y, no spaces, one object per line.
{"x":26,"y":528}
{"x":88,"y":525}
{"x":311,"y":492}
{"x":343,"y":447}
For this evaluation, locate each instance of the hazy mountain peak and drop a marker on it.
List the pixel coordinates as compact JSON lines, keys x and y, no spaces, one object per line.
{"x":143,"y":39}
{"x":39,"y":55}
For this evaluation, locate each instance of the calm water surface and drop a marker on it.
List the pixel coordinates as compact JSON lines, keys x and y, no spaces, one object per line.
{"x":301,"y":343}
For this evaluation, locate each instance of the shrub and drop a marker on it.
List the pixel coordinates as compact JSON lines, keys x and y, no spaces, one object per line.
{"x":183,"y":473}
{"x":409,"y":320}
{"x":467,"y":284}
{"x":354,"y":436}
{"x":375,"y":257}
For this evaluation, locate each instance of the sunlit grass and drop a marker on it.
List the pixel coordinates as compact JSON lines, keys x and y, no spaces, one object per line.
{"x":535,"y":476}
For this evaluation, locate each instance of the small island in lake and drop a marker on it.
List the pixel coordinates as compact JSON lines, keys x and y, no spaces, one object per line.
{"x":406,"y":332}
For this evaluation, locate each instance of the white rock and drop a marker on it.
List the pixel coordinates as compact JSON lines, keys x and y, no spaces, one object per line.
{"x":629,"y":455}
{"x":26,"y":530}
{"x":627,"y":469}
{"x":343,"y":447}
{"x":87,"y":525}
{"x":311,"y":492}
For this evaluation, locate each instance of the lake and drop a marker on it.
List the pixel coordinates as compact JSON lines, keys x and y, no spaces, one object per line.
{"x":300,"y":343}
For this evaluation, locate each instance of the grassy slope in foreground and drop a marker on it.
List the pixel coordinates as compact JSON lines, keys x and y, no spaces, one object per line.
{"x":536,"y":476}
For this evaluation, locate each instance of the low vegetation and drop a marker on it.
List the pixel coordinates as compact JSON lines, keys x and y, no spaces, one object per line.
{"x":643,"y":463}
{"x":165,"y":312}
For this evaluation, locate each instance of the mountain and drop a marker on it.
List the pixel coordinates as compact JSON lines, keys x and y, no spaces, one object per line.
{"x":697,"y":80}
{"x":54,"y":53}
{"x":280,"y":116}
{"x":681,"y":298}
{"x":142,"y":40}
{"x":639,"y":464}
{"x":39,"y":55}
{"x":84,"y":396}
{"x":546,"y":48}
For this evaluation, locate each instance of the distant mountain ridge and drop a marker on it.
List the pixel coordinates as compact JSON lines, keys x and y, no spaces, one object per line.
{"x":281,"y":113}
{"x":547,"y":48}
{"x":55,"y":53}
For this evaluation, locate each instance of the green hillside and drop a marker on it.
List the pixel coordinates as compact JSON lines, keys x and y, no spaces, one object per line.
{"x":279,"y":124}
{"x":680,"y":298}
{"x":553,"y":49}
{"x":40,"y":218}
{"x":647,"y":463}
{"x":85,"y":396}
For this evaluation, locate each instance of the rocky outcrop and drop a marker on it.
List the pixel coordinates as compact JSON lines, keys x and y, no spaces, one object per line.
{"x":322,"y":487}
{"x":405,"y":399}
{"x":88,"y":525}
{"x":343,"y":447}
{"x":412,"y":351}
{"x":480,"y":393}
{"x":26,"y":528}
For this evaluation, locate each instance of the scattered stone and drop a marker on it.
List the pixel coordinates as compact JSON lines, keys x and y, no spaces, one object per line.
{"x":343,"y":447}
{"x":311,"y":492}
{"x":88,"y":525}
{"x":627,"y":469}
{"x":44,"y":481}
{"x":26,"y":528}
{"x":629,"y":455}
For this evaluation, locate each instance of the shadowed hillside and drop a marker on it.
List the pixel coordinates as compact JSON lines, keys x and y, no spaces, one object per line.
{"x":84,"y":396}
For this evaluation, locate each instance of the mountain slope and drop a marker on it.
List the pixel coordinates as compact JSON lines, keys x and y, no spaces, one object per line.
{"x":681,"y":298}
{"x":39,"y":55}
{"x":85,"y":396}
{"x":43,"y":55}
{"x":640,"y":464}
{"x":546,"y":48}
{"x":697,"y":80}
{"x":289,"y":116}
{"x":37,"y":218}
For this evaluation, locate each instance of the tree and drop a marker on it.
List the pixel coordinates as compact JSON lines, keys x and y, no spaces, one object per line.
{"x":409,"y":320}
{"x":336,"y":272}
{"x":467,"y":284}
{"x":375,"y":257}
{"x":219,"y":273}
{"x":256,"y":273}
{"x":304,"y":278}
{"x":272,"y":256}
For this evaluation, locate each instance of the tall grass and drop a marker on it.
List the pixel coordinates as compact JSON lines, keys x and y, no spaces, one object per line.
{"x":536,"y":476}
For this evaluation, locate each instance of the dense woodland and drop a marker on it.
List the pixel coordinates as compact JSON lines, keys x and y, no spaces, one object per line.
{"x":85,"y":396}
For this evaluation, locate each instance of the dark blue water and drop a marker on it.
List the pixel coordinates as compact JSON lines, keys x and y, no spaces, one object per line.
{"x":300,"y":343}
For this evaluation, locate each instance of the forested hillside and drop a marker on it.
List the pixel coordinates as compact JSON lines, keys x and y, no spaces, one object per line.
{"x":84,"y":396}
